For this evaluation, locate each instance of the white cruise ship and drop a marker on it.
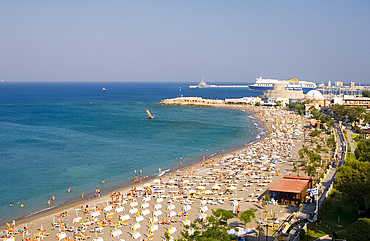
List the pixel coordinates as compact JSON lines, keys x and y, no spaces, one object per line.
{"x":292,"y":84}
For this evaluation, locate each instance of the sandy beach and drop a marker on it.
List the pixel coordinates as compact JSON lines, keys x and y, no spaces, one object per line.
{"x":165,"y":204}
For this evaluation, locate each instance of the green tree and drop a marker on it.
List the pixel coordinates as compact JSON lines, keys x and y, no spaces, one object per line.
{"x":366,"y":93}
{"x":222,"y":214}
{"x":260,"y":231}
{"x":359,"y":230}
{"x":362,"y":151}
{"x":339,"y":111}
{"x":355,"y":113}
{"x":214,"y":229}
{"x":353,"y":181}
{"x":247,"y":216}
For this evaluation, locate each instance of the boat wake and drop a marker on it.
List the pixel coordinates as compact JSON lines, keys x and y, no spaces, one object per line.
{"x":162,"y":173}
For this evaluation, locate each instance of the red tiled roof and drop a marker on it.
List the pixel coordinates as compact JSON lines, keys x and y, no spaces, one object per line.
{"x":296,"y":177}
{"x":289,"y":185}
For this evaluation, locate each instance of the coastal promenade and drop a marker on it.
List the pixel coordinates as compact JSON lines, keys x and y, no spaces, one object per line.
{"x":310,"y":210}
{"x":147,"y":210}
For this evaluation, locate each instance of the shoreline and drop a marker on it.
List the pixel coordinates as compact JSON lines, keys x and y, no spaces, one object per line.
{"x":121,"y":187}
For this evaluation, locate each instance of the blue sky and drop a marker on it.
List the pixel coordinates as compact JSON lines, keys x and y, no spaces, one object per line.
{"x":226,"y":41}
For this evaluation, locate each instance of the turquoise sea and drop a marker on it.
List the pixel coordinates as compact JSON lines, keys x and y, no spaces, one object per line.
{"x":59,"y":135}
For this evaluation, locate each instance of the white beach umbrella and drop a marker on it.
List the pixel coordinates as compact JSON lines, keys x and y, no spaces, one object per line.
{"x":61,"y":236}
{"x":171,"y":181}
{"x":124,"y":217}
{"x":232,"y":188}
{"x":204,"y":209}
{"x":216,"y":187}
{"x":171,"y":207}
{"x":107,"y":208}
{"x":157,"y":206}
{"x":95,"y":214}
{"x":145,"y":212}
{"x":187,"y":208}
{"x":144,"y":205}
{"x":133,"y":210}
{"x":116,"y":232}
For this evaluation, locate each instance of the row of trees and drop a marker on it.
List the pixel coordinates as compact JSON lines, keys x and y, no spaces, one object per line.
{"x":352,"y":113}
{"x":352,"y":185}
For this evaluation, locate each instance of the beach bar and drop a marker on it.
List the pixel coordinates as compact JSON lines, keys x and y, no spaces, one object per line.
{"x":290,"y":189}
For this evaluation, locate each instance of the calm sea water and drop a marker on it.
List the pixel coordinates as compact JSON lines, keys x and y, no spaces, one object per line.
{"x":59,"y":135}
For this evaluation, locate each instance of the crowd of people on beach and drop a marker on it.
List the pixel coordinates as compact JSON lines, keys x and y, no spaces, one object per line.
{"x":236,"y":180}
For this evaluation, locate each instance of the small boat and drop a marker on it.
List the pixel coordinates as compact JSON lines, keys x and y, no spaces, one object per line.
{"x":103,"y":89}
{"x":150,"y":116}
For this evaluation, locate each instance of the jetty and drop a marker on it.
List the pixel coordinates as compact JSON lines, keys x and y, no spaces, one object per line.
{"x":192,"y":101}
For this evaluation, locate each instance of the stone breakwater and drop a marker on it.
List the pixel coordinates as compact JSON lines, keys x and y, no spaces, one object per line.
{"x":193,"y":101}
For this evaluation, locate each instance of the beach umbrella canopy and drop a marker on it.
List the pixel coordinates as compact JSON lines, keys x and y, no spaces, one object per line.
{"x":156,"y":181}
{"x":208,"y":192}
{"x":192,"y":191}
{"x":201,"y":187}
{"x":61,"y":236}
{"x":116,"y":232}
{"x":147,"y":185}
{"x":216,"y":187}
{"x":171,"y":181}
{"x":232,"y":188}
